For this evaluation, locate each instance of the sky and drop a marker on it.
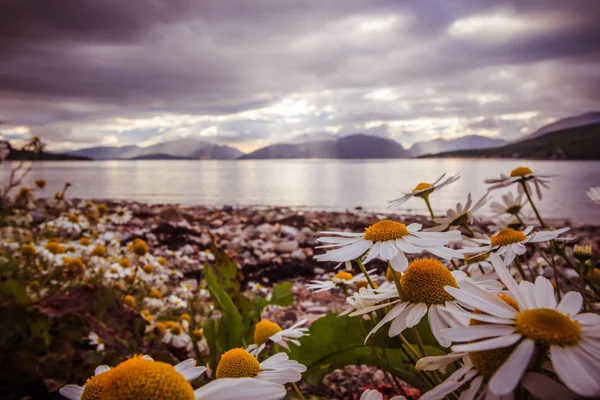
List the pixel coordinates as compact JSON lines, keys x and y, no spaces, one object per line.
{"x":252,"y":73}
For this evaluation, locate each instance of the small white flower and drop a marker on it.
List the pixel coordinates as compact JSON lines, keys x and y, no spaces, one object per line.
{"x":121,"y":216}
{"x":511,"y":243}
{"x":281,"y":336}
{"x":424,"y":189}
{"x":389,"y":241}
{"x":461,"y":216}
{"x":341,"y":278}
{"x":524,"y":175}
{"x":177,"y":301}
{"x":510,"y":205}
{"x":97,"y":341}
{"x":177,"y":337}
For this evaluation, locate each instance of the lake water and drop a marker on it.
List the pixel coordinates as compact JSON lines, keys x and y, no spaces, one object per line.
{"x":319,"y":184}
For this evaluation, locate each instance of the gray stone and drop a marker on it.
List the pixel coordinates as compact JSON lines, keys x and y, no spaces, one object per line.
{"x":286,"y":246}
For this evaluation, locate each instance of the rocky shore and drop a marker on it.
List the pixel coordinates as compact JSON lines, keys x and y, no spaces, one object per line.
{"x":270,"y":244}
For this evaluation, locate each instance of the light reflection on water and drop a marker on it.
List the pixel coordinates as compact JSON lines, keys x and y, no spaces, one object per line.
{"x":321,"y":184}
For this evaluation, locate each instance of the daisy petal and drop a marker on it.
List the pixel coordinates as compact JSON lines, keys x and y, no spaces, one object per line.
{"x":570,"y":304}
{"x":489,"y":344}
{"x":507,"y":377}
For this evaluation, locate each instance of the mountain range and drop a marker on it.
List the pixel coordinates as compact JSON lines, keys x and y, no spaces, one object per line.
{"x":570,"y":138}
{"x":177,"y":149}
{"x":347,"y":147}
{"x":443,"y":145}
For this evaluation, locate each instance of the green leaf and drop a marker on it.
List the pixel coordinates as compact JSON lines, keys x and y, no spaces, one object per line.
{"x":282,"y":294}
{"x":14,"y":290}
{"x":335,"y":342}
{"x":231,"y":327}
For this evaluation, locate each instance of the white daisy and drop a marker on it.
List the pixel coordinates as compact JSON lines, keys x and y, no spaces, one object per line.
{"x":594,"y":194}
{"x":359,"y":300}
{"x":121,"y":216}
{"x":511,"y":243}
{"x":101,"y":381}
{"x":177,"y":301}
{"x":423,"y":291}
{"x":538,"y":385}
{"x":535,"y":319}
{"x":116,"y":272}
{"x":238,"y":363}
{"x":478,"y":266}
{"x":371,"y":394}
{"x":510,"y":205}
{"x":176,"y":337}
{"x":424,"y":189}
{"x":270,"y":331}
{"x":340,"y":278}
{"x":73,"y":223}
{"x":461,"y":216}
{"x":97,"y":341}
{"x":389,"y":241}
{"x":522,"y":175}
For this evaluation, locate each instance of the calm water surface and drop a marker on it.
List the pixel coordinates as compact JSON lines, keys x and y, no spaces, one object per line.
{"x":321,"y":184}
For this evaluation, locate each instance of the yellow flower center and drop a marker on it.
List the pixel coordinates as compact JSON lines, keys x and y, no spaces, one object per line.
{"x":140,"y":248}
{"x":137,"y":378}
{"x":73,"y":218}
{"x":99,"y":251}
{"x":155,"y":294}
{"x":74,"y":266}
{"x":475,"y":258}
{"x":113,"y":270}
{"x":548,"y":326}
{"x":422,"y":186}
{"x":125,"y":263}
{"x":185,"y":317}
{"x":520,"y":172}
{"x":84,"y":241}
{"x":102,"y":209}
{"x":198,"y":334}
{"x":385,"y":230}
{"x":176,"y":330}
{"x":237,"y":363}
{"x":365,"y":284}
{"x":54,"y":248}
{"x":161,"y":261}
{"x":148,"y":269}
{"x":507,"y":236}
{"x":120,"y":213}
{"x":424,"y":281}
{"x":95,"y":386}
{"x":129,"y":301}
{"x":160,"y":327}
{"x":264,"y":330}
{"x":343,"y":276}
{"x":28,"y":250}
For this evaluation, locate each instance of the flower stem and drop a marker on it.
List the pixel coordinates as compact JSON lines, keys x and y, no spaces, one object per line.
{"x":364,"y":271}
{"x":426,"y":198}
{"x":397,"y":277}
{"x":297,"y":390}
{"x":520,"y":268}
{"x":535,"y":210}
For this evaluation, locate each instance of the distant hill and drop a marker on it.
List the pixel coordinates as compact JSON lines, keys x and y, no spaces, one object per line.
{"x":159,"y":156}
{"x":17,"y":155}
{"x":349,"y":147}
{"x":461,"y":143}
{"x":565,"y":123}
{"x":578,"y":143}
{"x":181,"y":148}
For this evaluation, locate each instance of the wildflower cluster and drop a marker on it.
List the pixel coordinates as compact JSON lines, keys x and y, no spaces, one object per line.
{"x":499,"y":325}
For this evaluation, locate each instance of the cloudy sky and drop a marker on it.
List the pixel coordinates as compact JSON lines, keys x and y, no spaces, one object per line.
{"x":254,"y":72}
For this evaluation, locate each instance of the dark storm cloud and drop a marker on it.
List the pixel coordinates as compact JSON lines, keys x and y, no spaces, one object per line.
{"x":73,"y":69}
